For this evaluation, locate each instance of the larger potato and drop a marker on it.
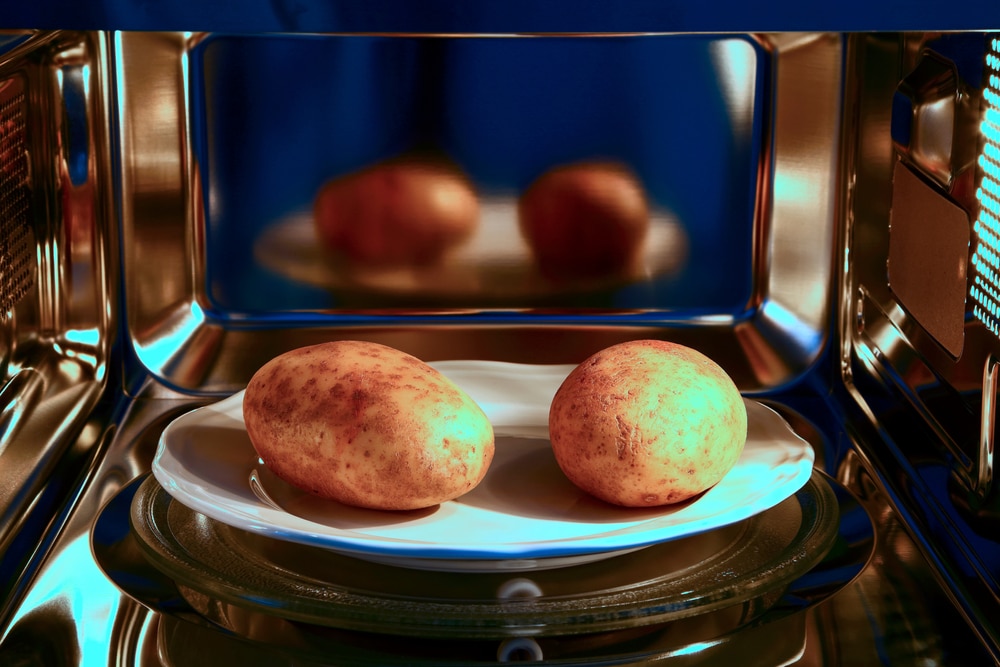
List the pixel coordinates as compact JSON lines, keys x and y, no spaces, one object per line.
{"x":367,"y":425}
{"x":647,"y":423}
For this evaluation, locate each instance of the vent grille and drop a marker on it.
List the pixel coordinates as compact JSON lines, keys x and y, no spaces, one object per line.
{"x":17,"y":243}
{"x":985,"y":287}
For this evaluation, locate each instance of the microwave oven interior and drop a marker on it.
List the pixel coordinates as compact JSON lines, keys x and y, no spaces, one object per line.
{"x":820,"y":214}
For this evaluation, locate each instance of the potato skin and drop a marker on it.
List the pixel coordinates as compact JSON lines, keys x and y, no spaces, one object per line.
{"x":407,"y":211}
{"x":366,"y":425}
{"x":585,"y":220}
{"x":647,"y":423}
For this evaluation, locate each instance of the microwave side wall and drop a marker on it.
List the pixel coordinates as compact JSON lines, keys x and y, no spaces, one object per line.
{"x":917,"y":359}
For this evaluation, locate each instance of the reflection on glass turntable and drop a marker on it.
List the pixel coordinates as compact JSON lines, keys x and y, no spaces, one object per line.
{"x":460,"y":617}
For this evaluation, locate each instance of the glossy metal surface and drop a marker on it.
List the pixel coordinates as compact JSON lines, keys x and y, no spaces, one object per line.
{"x":925,"y":405}
{"x":58,"y":330}
{"x":202,"y":314}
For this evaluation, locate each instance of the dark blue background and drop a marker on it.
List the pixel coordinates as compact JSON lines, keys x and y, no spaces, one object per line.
{"x":503,"y":15}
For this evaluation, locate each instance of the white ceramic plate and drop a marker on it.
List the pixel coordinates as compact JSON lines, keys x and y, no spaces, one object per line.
{"x":525,"y":514}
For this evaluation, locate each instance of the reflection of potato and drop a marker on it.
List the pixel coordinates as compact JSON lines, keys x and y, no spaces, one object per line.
{"x":647,"y":423}
{"x":585,"y":220}
{"x":403,"y":212}
{"x":367,"y":425}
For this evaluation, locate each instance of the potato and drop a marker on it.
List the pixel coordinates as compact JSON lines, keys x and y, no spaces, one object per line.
{"x":402,"y":212}
{"x":585,"y":220}
{"x":647,"y":423}
{"x":366,"y":425}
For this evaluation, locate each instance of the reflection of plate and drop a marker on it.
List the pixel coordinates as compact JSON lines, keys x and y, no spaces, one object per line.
{"x":496,"y":261}
{"x":523,"y":513}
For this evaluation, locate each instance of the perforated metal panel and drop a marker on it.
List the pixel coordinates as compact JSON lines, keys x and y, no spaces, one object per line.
{"x":17,"y":243}
{"x":985,"y":286}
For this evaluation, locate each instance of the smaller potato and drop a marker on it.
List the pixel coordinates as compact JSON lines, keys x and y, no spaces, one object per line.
{"x":367,"y":425}
{"x":585,"y":220}
{"x":402,"y":212}
{"x":647,"y":423}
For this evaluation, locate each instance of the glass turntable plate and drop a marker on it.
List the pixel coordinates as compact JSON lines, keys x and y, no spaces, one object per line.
{"x":524,"y":515}
{"x":236,"y":576}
